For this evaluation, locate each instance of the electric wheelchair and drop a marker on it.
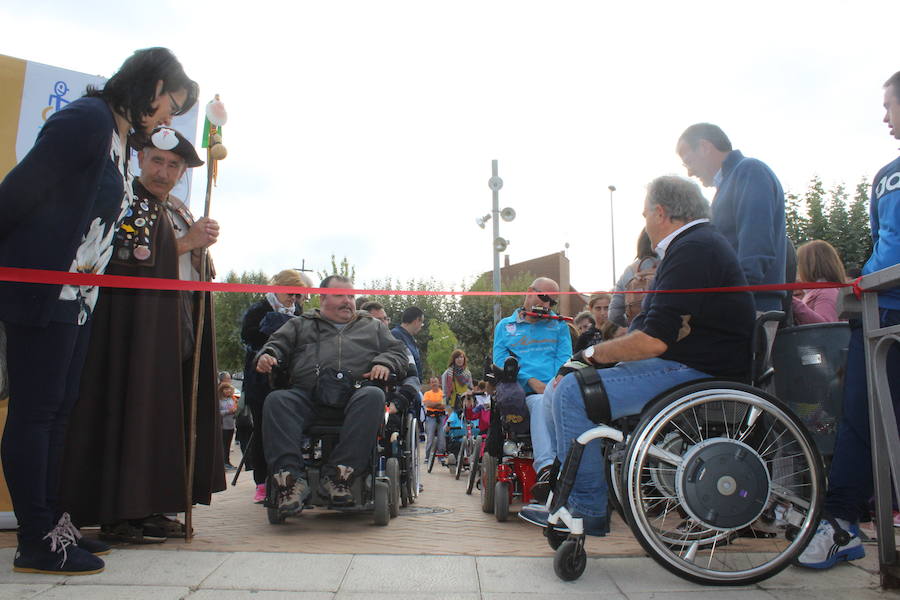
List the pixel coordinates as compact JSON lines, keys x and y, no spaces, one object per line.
{"x":377,"y":490}
{"x":718,"y":480}
{"x":506,"y":466}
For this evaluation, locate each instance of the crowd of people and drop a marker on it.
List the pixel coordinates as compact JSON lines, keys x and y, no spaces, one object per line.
{"x":96,"y":375}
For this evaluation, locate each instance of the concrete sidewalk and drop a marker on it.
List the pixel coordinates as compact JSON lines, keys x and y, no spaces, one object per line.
{"x":198,"y":575}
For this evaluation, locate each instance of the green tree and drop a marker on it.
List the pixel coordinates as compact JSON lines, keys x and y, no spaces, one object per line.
{"x":230,"y":308}
{"x":795,"y":222}
{"x":838,"y":221}
{"x":817,"y":222}
{"x":344,"y":268}
{"x":441,"y":346}
{"x":843,"y":224}
{"x":473,"y":319}
{"x":859,"y":243}
{"x":435,"y":307}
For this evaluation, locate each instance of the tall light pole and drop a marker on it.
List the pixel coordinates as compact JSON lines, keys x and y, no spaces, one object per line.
{"x":612,"y":234}
{"x":498,"y":244}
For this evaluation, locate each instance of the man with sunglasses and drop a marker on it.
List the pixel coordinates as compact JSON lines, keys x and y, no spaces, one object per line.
{"x":138,"y":375}
{"x":541,"y":346}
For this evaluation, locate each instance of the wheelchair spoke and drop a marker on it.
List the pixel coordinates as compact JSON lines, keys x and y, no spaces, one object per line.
{"x":664,"y":455}
{"x":750,"y":417}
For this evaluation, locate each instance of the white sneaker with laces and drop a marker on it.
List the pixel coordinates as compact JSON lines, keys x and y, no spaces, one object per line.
{"x":823,"y":553}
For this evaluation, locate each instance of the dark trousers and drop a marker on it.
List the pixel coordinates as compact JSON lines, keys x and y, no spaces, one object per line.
{"x":850,"y":482}
{"x":44,"y":366}
{"x":227,"y":436}
{"x":289,"y":413}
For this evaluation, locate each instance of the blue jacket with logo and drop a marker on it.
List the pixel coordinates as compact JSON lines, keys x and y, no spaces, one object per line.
{"x":884,"y":217}
{"x":541,"y":347}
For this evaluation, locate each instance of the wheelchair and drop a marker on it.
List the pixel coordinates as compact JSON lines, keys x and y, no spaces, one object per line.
{"x":506,"y":466}
{"x":376,"y":491}
{"x":718,"y":480}
{"x":400,"y":445}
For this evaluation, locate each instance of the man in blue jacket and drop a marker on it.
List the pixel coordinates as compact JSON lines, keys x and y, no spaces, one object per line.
{"x":748,"y":208}
{"x":850,"y":480}
{"x":541,"y":346}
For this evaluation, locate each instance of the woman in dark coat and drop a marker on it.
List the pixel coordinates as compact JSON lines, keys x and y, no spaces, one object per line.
{"x":259,"y":322}
{"x":59,"y":208}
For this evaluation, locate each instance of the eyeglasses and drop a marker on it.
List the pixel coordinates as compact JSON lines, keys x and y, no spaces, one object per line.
{"x":176,"y":108}
{"x":546,"y":298}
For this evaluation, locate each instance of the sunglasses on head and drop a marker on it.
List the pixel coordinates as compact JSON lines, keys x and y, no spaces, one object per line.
{"x":546,"y":298}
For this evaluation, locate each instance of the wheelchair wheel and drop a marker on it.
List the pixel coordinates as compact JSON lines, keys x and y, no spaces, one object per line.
{"x":710,"y":460}
{"x":501,"y":500}
{"x":555,"y":537}
{"x":382,"y":503}
{"x":412,"y":462}
{"x":392,"y":470}
{"x":614,"y":485}
{"x":474,"y":465}
{"x":569,"y":561}
{"x":460,"y":457}
{"x":488,"y":478}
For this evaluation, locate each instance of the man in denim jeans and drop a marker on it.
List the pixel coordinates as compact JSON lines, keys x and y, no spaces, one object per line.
{"x":675,"y":339}
{"x":850,"y":481}
{"x":541,"y":347}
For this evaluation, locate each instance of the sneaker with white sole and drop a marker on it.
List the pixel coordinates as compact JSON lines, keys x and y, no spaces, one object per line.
{"x":823,"y":552}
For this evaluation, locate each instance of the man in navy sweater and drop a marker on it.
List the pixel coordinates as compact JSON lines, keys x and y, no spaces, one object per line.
{"x":748,"y":208}
{"x":675,"y":339}
{"x":850,"y":479}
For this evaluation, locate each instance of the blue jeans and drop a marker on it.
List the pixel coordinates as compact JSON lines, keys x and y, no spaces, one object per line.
{"x":629,"y":387}
{"x":541,"y":440}
{"x":850,"y":483}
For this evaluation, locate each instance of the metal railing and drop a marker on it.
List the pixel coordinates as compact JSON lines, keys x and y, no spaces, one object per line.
{"x":882,"y":423}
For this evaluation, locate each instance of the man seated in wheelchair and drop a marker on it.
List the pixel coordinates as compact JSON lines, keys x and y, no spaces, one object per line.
{"x":677,"y":338}
{"x":541,"y":343}
{"x":327,"y":353}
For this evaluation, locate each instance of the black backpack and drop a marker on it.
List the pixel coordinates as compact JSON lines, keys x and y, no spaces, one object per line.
{"x":510,"y":399}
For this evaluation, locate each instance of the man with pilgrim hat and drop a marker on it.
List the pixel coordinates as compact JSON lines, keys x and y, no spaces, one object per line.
{"x":126,"y":449}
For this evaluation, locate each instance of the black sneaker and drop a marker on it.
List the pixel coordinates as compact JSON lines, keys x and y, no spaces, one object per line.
{"x":292,"y":492}
{"x":67,"y":528}
{"x":132,"y":532}
{"x":55,"y":554}
{"x":540,"y":491}
{"x":336,"y":486}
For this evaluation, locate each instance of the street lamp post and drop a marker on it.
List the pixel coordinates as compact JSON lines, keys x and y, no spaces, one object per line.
{"x":612,"y":233}
{"x":498,"y":244}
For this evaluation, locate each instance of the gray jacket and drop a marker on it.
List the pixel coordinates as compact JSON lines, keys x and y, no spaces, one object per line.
{"x":361,"y":344}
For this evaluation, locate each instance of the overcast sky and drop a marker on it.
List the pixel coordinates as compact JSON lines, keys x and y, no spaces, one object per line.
{"x":367,"y":129}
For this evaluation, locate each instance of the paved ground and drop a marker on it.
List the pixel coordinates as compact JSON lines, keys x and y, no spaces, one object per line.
{"x":443,"y":546}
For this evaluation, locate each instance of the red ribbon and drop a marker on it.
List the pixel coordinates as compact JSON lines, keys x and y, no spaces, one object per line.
{"x":15,"y":274}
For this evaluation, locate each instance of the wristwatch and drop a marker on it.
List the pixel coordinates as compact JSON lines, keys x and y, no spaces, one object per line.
{"x":588,"y":354}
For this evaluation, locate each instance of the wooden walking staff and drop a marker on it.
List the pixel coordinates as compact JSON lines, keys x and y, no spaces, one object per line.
{"x":215,"y":151}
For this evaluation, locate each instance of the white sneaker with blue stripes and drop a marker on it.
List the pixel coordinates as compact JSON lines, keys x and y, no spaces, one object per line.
{"x":823,"y":552}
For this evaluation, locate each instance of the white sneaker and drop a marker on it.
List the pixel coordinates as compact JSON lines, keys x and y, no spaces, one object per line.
{"x":822,"y":551}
